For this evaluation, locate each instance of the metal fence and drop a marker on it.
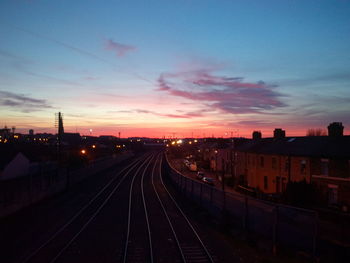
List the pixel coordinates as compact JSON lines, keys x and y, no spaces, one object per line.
{"x":273,"y":224}
{"x":45,"y":180}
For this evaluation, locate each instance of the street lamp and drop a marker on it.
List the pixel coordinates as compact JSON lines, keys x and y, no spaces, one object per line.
{"x":223,"y":175}
{"x":216,"y":163}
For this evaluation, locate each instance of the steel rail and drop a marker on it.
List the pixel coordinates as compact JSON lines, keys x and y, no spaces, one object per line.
{"x":184,"y":216}
{"x":146,"y":215}
{"x":94,"y":214}
{"x":35,"y":252}
{"x":129,"y":209}
{"x":167,"y":216}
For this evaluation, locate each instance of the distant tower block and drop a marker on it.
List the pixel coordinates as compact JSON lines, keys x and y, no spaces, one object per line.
{"x":256,"y":135}
{"x":31,"y":132}
{"x":335,"y":129}
{"x":278,"y":133}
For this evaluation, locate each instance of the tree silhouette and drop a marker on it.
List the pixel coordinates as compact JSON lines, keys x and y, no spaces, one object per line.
{"x":316,"y":132}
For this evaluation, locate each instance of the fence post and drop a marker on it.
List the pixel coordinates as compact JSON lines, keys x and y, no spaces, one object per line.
{"x":245,"y":217}
{"x":192,"y":188}
{"x":185,"y":185}
{"x":224,"y":200}
{"x":274,"y":230}
{"x":314,"y":241}
{"x":200,"y":194}
{"x":30,"y":187}
{"x":42,"y":183}
{"x":180,"y":182}
{"x":67,"y":177}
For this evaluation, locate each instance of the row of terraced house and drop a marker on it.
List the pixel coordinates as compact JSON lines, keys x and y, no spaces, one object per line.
{"x":268,"y":165}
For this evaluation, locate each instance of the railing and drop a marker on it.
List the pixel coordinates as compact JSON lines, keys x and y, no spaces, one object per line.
{"x":270,"y":224}
{"x":40,"y":183}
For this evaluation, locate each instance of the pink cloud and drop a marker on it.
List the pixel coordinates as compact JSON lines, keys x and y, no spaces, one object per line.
{"x":185,"y":115}
{"x":227,"y":94}
{"x":120,"y":49}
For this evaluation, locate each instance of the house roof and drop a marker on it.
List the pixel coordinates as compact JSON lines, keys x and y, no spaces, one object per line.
{"x":214,"y":145}
{"x":316,"y":146}
{"x":6,"y":157}
{"x":32,"y":152}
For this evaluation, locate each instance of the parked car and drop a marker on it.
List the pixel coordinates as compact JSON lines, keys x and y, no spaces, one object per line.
{"x":208,"y":180}
{"x":192,"y":167}
{"x":200,"y":175}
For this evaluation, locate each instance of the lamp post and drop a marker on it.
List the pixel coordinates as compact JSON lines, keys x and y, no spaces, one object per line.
{"x":223,"y":175}
{"x":216,"y":163}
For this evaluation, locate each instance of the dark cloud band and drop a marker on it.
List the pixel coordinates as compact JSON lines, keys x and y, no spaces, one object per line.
{"x":21,"y":102}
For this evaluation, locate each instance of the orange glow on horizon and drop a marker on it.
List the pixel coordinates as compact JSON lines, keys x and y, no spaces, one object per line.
{"x":176,"y":130}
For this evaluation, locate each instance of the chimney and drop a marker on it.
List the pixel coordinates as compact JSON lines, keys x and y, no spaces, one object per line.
{"x":256,"y":135}
{"x":279,"y":133}
{"x":335,"y":129}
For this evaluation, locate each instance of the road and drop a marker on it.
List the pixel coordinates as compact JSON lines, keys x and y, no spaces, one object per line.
{"x":129,"y":214}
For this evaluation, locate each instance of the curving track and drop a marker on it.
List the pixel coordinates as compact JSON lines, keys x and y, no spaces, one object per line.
{"x":133,"y":218}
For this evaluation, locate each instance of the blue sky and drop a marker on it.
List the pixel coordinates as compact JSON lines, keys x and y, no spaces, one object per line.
{"x":157,"y":67}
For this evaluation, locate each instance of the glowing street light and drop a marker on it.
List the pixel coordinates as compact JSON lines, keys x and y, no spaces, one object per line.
{"x":83,"y":151}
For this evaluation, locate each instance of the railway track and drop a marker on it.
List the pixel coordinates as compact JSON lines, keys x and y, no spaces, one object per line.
{"x":190,"y":245}
{"x":133,"y":218}
{"x":158,"y":229}
{"x":52,"y":250}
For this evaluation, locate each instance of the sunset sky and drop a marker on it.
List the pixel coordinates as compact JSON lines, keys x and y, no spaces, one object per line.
{"x":179,"y":67}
